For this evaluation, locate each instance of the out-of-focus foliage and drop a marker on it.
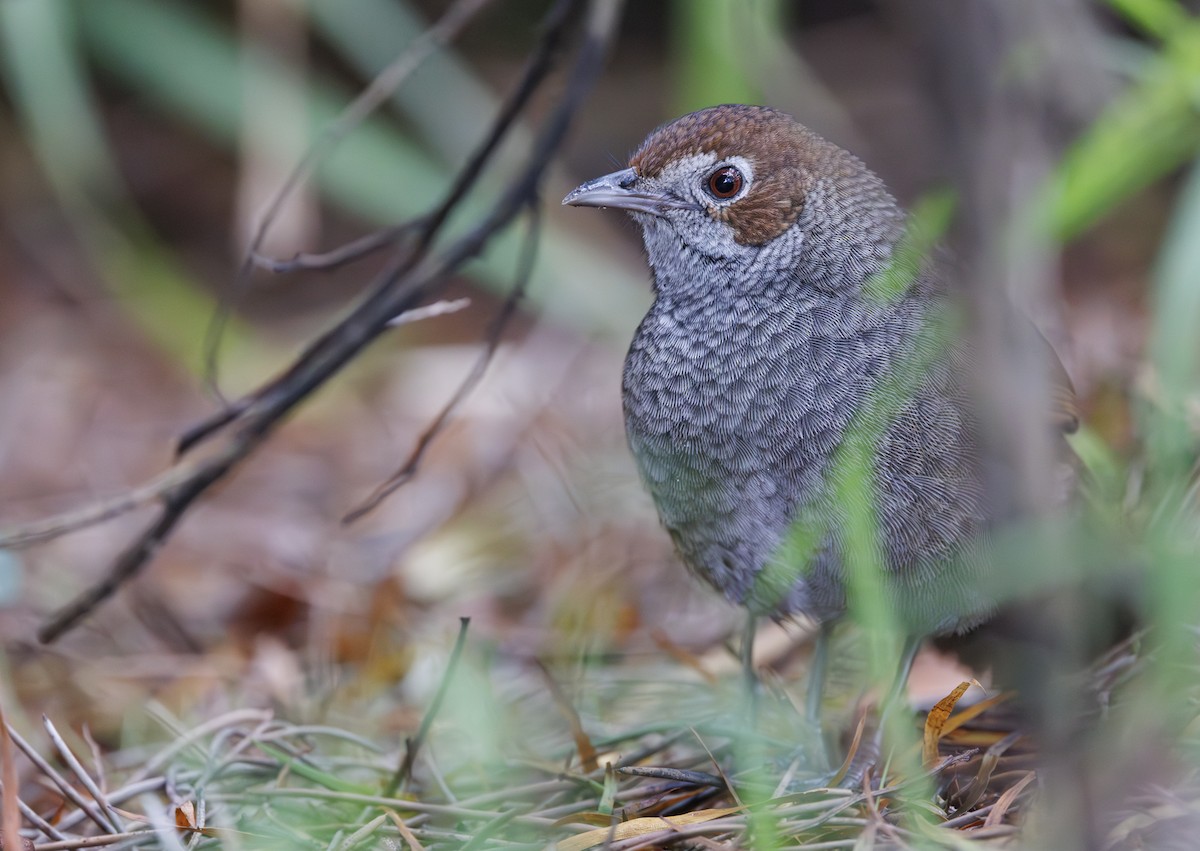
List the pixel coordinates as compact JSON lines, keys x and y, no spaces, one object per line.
{"x":529,"y":519}
{"x":180,"y":60}
{"x":1152,"y":129}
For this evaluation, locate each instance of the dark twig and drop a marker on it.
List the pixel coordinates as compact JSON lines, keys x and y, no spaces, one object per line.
{"x":680,"y":775}
{"x":85,"y":780}
{"x":66,"y":788}
{"x":584,"y":748}
{"x":409,"y":260}
{"x":176,"y":503}
{"x":404,"y":284}
{"x":348,"y":253}
{"x":376,"y":94}
{"x":97,"y":512}
{"x":413,"y":743}
{"x":492,"y":341}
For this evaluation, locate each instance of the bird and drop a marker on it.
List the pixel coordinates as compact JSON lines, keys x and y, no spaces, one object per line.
{"x":775,"y":341}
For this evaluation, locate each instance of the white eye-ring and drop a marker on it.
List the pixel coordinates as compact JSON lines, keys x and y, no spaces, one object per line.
{"x":728,"y":181}
{"x":724,"y":183}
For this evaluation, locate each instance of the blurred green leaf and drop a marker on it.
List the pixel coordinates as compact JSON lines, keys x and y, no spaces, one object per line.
{"x":1174,"y":343}
{"x":371,"y":33}
{"x":1170,"y":428}
{"x":48,"y":83}
{"x":47,"y":80}
{"x":927,"y":224}
{"x":1150,"y":130}
{"x":1105,"y":472}
{"x":188,"y":66}
{"x":1157,"y":17}
{"x":711,"y":54}
{"x":310,"y":772}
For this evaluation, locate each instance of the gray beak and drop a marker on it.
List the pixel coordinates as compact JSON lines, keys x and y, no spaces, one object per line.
{"x":619,"y":190}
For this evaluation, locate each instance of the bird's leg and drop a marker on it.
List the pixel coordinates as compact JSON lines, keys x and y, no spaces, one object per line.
{"x":818,"y":755}
{"x":750,"y":677}
{"x":816,"y":676}
{"x":895,"y":695}
{"x":870,"y":750}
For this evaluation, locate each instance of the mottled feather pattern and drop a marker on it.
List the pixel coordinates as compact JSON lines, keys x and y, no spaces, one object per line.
{"x":766,"y":348}
{"x":734,"y":413}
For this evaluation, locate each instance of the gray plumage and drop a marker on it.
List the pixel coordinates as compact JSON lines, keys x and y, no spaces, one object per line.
{"x":767,"y":347}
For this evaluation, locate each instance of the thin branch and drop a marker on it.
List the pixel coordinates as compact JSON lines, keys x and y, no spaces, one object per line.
{"x":96,"y":841}
{"x":97,"y":512}
{"x":67,"y":789}
{"x":584,"y":748}
{"x":189,"y":738}
{"x":413,"y":743}
{"x":430,"y":311}
{"x":491,"y":342}
{"x":679,"y":775}
{"x":362,"y":833}
{"x":340,"y":256}
{"x":85,"y":779}
{"x":117,"y":797}
{"x":536,"y":70}
{"x":408,"y":262}
{"x":403,"y":285}
{"x":391,"y":78}
{"x":143,"y":548}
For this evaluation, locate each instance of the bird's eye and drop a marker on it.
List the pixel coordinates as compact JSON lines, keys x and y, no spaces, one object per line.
{"x":724,"y":183}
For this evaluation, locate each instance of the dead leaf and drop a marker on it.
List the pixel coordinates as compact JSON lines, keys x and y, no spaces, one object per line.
{"x":1001,"y":808}
{"x":609,"y":796}
{"x":405,"y":831}
{"x":583,"y":743}
{"x":935,"y":722}
{"x":640,"y":827}
{"x":597,"y":819}
{"x":987,"y":765}
{"x":850,"y":753}
{"x":974,"y":711}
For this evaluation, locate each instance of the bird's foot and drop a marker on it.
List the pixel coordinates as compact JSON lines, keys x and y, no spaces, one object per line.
{"x":810,"y":765}
{"x":863,"y":754}
{"x":814,"y":765}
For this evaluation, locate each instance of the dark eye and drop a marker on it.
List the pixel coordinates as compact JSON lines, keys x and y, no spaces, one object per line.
{"x":725,"y":182}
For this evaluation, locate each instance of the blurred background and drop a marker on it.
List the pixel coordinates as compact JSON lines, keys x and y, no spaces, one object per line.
{"x":141,"y":141}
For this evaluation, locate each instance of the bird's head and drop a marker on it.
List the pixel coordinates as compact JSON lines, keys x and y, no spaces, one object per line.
{"x":744,"y":194}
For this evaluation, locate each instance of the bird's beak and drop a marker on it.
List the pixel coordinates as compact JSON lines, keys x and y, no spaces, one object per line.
{"x":620,"y":191}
